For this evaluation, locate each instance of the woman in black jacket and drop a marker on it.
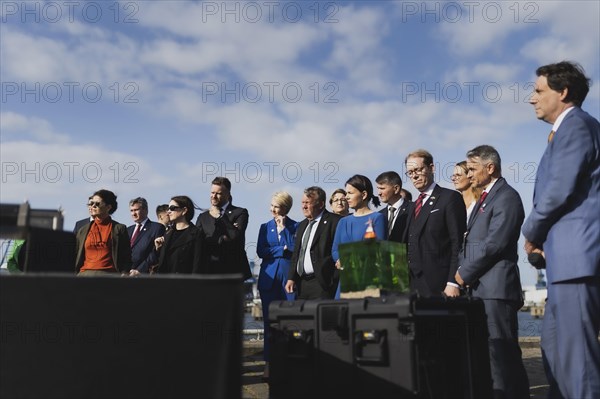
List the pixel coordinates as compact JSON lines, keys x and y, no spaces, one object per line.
{"x":181,"y":247}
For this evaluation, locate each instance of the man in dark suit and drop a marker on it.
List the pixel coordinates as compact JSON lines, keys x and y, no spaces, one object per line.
{"x":224,"y":226}
{"x":436,"y":224}
{"x":564,"y":226}
{"x":142,"y":235}
{"x":488,"y":265}
{"x":389,"y":190}
{"x":312,"y":268}
{"x":83,"y":222}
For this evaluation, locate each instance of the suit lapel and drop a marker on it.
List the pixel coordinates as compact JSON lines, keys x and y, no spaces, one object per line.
{"x":426,"y":209}
{"x":480,"y":208}
{"x":322,"y":225}
{"x":272,"y":231}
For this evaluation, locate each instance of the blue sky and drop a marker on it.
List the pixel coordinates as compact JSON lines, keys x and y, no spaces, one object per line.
{"x":155,"y":98}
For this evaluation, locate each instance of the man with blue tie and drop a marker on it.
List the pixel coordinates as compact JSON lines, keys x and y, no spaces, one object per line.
{"x":564,"y":226}
{"x":142,"y":235}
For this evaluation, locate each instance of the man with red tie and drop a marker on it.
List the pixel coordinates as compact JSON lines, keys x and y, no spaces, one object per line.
{"x":436,"y":224}
{"x":141,"y":236}
{"x":488,"y":264}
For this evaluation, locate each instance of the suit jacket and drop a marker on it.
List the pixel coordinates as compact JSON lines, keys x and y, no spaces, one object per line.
{"x":398,"y":232}
{"x":80,"y":223}
{"x":566,"y":200}
{"x":435,"y":237}
{"x":488,"y":261}
{"x":143,"y":254}
{"x":320,"y":252}
{"x":225,"y":255}
{"x":275,"y":260}
{"x":121,"y":250}
{"x":182,"y":255}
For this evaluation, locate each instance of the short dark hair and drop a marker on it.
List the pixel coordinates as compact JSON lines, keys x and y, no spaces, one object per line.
{"x":567,"y":75}
{"x":391,"y":177}
{"x":162,"y":208}
{"x":109,"y":198}
{"x":487,"y":153}
{"x":315,"y":192}
{"x":141,"y":201}
{"x":185,"y":202}
{"x":407,"y":194}
{"x":222,"y":181}
{"x":362,"y":183}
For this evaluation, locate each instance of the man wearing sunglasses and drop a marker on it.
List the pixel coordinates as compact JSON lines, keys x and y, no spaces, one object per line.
{"x":224,"y":226}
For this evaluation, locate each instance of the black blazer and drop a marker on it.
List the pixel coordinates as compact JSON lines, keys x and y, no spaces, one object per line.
{"x":80,"y":223}
{"x":183,"y":255}
{"x":320,"y":252}
{"x":225,"y":255}
{"x":435,"y":237}
{"x":398,"y":232}
{"x":143,"y":254}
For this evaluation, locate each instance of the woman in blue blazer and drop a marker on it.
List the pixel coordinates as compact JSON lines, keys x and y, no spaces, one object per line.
{"x":275,"y":247}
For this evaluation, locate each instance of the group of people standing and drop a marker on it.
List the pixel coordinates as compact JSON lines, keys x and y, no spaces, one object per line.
{"x":463,"y":240}
{"x":214,"y":244}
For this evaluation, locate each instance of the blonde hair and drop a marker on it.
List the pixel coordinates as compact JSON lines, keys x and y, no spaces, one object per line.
{"x":284,"y":200}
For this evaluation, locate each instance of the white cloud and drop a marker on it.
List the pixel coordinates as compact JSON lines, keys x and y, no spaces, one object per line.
{"x":17,"y":126}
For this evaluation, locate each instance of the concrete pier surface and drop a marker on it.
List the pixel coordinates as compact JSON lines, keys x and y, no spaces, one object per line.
{"x":253,"y":386}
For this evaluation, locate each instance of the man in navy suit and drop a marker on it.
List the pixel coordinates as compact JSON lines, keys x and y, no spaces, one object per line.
{"x":224,"y":226}
{"x":389,"y":190}
{"x":312,"y":269}
{"x":436,"y":224}
{"x":84,"y":222}
{"x":142,"y":235}
{"x":488,"y":265}
{"x":564,"y":226}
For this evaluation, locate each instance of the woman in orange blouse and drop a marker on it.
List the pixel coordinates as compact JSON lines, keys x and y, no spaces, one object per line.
{"x":103,"y":244}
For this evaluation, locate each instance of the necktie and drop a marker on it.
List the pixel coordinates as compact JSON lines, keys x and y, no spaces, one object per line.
{"x":136,"y":231}
{"x":419,"y":204}
{"x":304,"y":248}
{"x":483,"y":196}
{"x":551,"y":136}
{"x":392,"y":211}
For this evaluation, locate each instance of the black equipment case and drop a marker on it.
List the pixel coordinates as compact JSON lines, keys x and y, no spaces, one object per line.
{"x":395,"y":346}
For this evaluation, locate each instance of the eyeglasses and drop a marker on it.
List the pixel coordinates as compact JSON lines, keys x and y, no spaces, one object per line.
{"x":174,"y":208}
{"x":455,"y":176}
{"x":339,"y":200}
{"x":416,"y":172}
{"x":93,"y":204}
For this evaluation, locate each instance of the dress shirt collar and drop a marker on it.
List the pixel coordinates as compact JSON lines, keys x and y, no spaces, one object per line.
{"x":560,"y":118}
{"x":397,"y":204}
{"x":488,"y":188}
